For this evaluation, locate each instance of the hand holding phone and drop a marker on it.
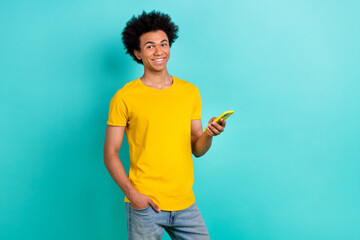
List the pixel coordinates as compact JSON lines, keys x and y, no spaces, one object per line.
{"x":224,"y":115}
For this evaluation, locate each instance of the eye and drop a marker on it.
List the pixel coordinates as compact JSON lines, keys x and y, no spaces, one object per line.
{"x":150,"y":46}
{"x":164,"y":44}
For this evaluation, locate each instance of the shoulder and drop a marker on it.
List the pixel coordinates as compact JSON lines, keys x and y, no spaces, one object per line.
{"x":187,"y":85}
{"x":126,"y":89}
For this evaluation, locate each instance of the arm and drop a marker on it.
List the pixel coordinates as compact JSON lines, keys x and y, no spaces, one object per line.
{"x":201,"y":141}
{"x":113,"y":140}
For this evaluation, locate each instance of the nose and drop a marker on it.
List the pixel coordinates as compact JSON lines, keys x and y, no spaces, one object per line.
{"x":157,"y":50}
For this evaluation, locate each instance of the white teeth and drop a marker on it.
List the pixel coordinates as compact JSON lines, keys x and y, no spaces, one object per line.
{"x":158,"y":60}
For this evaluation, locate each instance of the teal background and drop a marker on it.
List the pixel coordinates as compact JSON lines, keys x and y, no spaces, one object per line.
{"x":286,"y":167}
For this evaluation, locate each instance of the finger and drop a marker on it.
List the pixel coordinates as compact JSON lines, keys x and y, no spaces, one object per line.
{"x":215,"y":127}
{"x":214,"y":130}
{"x":223,"y":122}
{"x":218,"y":127}
{"x":211,"y":133}
{"x":153,"y":205}
{"x":212,"y":119}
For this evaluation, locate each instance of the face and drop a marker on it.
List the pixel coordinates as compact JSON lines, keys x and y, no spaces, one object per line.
{"x":154,"y":50}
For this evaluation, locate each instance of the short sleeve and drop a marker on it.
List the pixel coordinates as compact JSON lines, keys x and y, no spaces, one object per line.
{"x":118,"y":111}
{"x":196,"y":110}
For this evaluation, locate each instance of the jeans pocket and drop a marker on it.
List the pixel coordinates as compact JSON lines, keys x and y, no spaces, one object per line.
{"x":142,"y":209}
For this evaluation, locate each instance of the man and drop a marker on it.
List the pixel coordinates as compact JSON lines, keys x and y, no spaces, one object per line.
{"x":161,"y":115}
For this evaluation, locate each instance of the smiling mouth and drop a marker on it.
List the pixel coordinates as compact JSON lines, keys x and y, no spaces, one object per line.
{"x":159,"y":60}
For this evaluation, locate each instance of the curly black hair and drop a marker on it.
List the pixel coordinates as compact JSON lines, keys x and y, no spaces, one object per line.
{"x":147,"y":22}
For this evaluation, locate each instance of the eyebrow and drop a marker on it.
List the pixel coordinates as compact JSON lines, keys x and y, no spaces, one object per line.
{"x":148,"y":42}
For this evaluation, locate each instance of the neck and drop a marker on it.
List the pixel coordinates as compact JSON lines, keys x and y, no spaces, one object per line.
{"x":157,"y":79}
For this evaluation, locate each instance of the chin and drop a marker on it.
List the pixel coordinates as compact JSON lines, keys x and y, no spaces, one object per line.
{"x":158,"y":68}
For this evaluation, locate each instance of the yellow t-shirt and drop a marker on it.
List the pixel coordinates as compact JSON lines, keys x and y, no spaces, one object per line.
{"x":158,"y":130}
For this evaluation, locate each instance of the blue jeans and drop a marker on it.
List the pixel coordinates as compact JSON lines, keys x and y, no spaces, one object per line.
{"x":149,"y":224}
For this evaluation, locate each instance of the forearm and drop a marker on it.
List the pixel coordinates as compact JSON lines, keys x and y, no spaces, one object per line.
{"x":202,"y":144}
{"x":117,"y":172}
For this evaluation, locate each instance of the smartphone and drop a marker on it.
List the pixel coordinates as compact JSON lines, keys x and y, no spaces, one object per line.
{"x":224,"y":115}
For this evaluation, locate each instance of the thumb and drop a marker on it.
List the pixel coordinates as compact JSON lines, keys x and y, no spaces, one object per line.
{"x":212,"y":119}
{"x":153,"y":205}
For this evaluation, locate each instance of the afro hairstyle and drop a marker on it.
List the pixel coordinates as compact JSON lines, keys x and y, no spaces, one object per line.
{"x":147,"y":22}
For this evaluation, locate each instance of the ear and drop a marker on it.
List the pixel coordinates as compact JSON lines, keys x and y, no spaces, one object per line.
{"x":137,"y":54}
